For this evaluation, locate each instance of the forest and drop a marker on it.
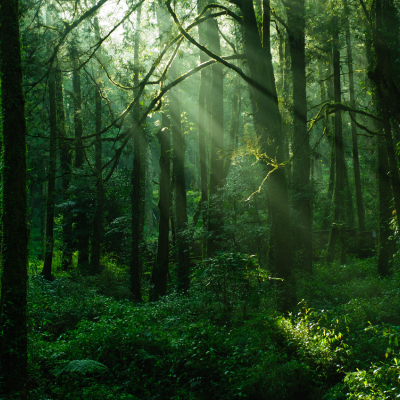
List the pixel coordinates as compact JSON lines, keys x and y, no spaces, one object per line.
{"x":199,"y":199}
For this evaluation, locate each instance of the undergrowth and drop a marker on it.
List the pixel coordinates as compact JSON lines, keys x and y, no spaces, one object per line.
{"x":222,"y":341}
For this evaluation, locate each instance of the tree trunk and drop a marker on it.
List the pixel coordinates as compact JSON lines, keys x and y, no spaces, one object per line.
{"x":178,"y":167}
{"x":215,"y":215}
{"x":138,"y":182}
{"x":51,"y":179}
{"x":160,"y":272}
{"x":356,"y":162}
{"x":302,"y":216}
{"x":77,"y":100}
{"x":338,"y":206}
{"x":384,"y":34}
{"x":65,"y":169}
{"x":267,"y":121}
{"x":97,"y":233}
{"x":13,"y":350}
{"x":204,"y":77}
{"x":82,"y":229}
{"x":385,"y":245}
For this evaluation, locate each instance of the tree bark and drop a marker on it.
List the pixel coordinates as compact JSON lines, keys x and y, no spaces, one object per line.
{"x":65,"y":169}
{"x":215,"y":215}
{"x":268,"y":125}
{"x":97,"y":233}
{"x":13,"y":350}
{"x":138,"y":182}
{"x":82,"y":229}
{"x":51,"y":178}
{"x":338,"y":206}
{"x":160,"y":272}
{"x":178,"y":168}
{"x":204,"y":78}
{"x":302,"y":216}
{"x":356,"y":162}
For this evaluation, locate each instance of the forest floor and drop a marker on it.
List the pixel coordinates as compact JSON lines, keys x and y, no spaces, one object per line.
{"x":88,"y":341}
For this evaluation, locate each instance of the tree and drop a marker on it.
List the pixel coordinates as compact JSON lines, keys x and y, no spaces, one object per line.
{"x":97,"y":233}
{"x":338,"y":202}
{"x":138,"y":181}
{"x":302,"y":216}
{"x":13,"y":351}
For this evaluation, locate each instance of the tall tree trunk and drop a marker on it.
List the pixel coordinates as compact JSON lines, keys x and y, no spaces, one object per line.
{"x":231,"y":146}
{"x":77,"y":101}
{"x":65,"y":169}
{"x":331,"y":130}
{"x":302,"y":216}
{"x":178,"y":166}
{"x":268,"y":125}
{"x":43,"y":209}
{"x":204,"y":77}
{"x":97,"y":233}
{"x":138,"y":182}
{"x":160,"y":272}
{"x":14,"y":260}
{"x":386,"y":91}
{"x":284,"y":57}
{"x":215,"y":215}
{"x":385,"y":42}
{"x":82,"y":229}
{"x":385,"y":245}
{"x":51,"y":185}
{"x":338,"y":206}
{"x":161,"y":265}
{"x":356,"y":162}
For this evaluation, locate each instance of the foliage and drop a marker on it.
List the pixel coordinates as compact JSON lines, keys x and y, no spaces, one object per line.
{"x":196,"y":346}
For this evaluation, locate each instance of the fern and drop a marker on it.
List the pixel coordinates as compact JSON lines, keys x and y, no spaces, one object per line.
{"x":81,"y":367}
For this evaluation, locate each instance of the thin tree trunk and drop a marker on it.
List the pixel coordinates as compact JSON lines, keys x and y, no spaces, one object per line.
{"x":338,"y":206}
{"x":13,"y":350}
{"x":43,"y":210}
{"x":356,"y":162}
{"x":77,"y":101}
{"x":178,"y":166}
{"x":215,"y":215}
{"x":302,"y":216}
{"x":204,"y":77}
{"x":97,"y":234}
{"x":51,"y":185}
{"x":82,"y":229}
{"x":138,"y":182}
{"x":65,"y":169}
{"x":160,"y":272}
